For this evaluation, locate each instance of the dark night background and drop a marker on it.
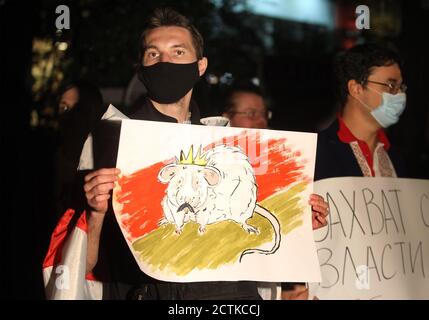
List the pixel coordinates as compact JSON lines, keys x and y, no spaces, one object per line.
{"x":291,"y":59}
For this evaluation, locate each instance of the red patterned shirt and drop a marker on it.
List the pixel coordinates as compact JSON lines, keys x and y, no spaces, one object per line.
{"x":377,"y":164}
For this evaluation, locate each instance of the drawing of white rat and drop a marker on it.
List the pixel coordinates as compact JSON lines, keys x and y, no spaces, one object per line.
{"x":217,"y":186}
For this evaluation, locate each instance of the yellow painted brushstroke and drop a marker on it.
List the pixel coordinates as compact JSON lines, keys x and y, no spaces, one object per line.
{"x":289,"y":214}
{"x":222,"y":243}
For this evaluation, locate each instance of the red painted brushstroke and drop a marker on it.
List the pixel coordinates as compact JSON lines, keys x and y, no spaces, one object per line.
{"x":283,"y":169}
{"x":141,"y":193}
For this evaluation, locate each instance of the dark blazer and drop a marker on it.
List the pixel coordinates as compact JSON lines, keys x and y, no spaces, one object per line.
{"x":336,"y":159}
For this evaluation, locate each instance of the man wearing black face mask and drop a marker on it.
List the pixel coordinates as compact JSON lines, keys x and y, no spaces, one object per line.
{"x":171,"y":63}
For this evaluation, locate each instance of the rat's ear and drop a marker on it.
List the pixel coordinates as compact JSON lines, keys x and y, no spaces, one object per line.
{"x":167,"y":173}
{"x":212,"y":175}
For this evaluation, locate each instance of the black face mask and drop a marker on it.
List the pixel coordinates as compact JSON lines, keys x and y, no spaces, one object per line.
{"x":169,"y":82}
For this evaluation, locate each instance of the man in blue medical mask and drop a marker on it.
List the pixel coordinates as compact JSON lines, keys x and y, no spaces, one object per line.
{"x":372,"y":97}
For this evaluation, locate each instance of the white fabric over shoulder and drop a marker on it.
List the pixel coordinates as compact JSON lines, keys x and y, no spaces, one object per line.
{"x":86,"y":161}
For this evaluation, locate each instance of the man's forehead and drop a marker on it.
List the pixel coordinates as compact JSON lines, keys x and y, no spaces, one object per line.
{"x":247,"y":94}
{"x":387,"y":72}
{"x":243,"y":97}
{"x":171,"y":35}
{"x":70,"y":93}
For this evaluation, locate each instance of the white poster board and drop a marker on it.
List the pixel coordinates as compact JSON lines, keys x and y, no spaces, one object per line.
{"x":376,"y":244}
{"x":185,"y":191}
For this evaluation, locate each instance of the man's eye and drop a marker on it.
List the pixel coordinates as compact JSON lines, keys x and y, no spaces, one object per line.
{"x":180,"y":52}
{"x":152,"y":54}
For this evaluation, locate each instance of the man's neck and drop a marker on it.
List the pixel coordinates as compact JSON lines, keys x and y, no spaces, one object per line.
{"x":361,"y":124}
{"x":178,"y":110}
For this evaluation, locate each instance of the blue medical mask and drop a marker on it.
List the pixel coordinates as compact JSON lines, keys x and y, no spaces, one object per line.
{"x":391,"y":108}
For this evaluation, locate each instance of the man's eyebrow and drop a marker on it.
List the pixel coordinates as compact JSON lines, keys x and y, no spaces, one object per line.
{"x":180,"y":45}
{"x":393,"y":80}
{"x":151,"y":46}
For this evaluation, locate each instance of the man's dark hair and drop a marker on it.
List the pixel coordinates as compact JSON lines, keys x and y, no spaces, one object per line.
{"x":228,"y":101}
{"x":357,"y":64}
{"x":167,"y":17}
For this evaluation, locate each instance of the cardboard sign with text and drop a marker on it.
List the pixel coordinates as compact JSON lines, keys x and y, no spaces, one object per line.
{"x":376,"y":244}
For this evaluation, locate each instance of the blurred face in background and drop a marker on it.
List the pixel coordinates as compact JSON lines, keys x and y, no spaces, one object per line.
{"x":249,"y":111}
{"x":68,"y":100}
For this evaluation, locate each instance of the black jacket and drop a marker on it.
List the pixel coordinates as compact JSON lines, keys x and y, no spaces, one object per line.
{"x":336,"y":159}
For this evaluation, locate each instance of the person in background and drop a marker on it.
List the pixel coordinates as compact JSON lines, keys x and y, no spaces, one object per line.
{"x":371,"y":95}
{"x":80,"y":107}
{"x":246,"y":107}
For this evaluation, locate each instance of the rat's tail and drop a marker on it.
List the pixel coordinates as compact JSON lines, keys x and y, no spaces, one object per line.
{"x":277,"y":235}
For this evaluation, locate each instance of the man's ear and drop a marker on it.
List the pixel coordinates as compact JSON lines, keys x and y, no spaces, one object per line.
{"x":202,"y":65}
{"x":354,"y":88}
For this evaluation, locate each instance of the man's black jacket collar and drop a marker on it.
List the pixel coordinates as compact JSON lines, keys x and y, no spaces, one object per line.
{"x":148,"y":112}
